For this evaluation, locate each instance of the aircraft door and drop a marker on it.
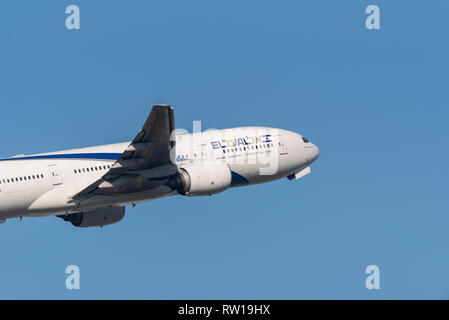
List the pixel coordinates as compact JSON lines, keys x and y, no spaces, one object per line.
{"x":283,"y":149}
{"x":55,"y":174}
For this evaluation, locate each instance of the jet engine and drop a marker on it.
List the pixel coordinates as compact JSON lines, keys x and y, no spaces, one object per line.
{"x":202,"y":179}
{"x":96,"y":218}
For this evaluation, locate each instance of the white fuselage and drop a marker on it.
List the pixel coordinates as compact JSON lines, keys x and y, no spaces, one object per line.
{"x":41,"y":185}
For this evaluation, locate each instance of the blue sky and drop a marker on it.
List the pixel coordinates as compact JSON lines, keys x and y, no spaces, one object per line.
{"x":374,"y":101}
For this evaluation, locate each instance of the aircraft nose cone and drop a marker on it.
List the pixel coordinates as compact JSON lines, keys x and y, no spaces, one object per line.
{"x":313,"y":154}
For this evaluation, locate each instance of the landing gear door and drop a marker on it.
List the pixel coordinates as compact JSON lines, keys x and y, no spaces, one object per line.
{"x":55,"y":174}
{"x":283,"y":149}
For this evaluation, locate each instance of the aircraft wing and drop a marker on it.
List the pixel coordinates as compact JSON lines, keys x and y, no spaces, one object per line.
{"x":145,"y":164}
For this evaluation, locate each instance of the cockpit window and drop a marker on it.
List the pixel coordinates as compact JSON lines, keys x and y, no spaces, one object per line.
{"x":305,"y":140}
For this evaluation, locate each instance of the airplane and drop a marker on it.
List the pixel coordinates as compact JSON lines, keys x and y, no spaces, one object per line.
{"x":91,"y":187}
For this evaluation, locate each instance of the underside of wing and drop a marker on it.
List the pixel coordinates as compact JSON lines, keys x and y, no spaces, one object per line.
{"x":152,"y":145}
{"x":145,"y":164}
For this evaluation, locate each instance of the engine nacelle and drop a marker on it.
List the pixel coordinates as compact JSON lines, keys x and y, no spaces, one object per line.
{"x":96,"y":218}
{"x":203,"y":179}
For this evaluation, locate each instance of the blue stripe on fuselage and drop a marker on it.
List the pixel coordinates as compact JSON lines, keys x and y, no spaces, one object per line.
{"x":84,"y":156}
